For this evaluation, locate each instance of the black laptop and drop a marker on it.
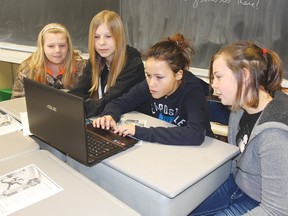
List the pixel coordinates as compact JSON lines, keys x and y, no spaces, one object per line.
{"x":58,"y":118}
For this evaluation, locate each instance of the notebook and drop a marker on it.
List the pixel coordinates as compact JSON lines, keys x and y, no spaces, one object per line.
{"x":58,"y":118}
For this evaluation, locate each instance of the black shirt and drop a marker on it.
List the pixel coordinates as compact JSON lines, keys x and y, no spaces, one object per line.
{"x":246,"y":125}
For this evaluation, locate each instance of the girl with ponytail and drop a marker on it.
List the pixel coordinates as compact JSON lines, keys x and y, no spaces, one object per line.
{"x":248,"y":78}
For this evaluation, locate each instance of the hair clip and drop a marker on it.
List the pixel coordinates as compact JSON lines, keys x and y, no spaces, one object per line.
{"x":264,"y":51}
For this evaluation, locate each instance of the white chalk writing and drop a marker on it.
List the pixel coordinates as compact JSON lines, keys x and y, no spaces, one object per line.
{"x":245,"y":3}
{"x":197,"y":2}
{"x":253,"y":4}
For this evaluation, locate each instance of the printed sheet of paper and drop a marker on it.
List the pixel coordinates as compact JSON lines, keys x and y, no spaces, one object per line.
{"x":138,"y":122}
{"x":24,"y":187}
{"x":25,"y":124}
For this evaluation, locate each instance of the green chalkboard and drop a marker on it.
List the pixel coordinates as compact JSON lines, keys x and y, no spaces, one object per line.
{"x":208,"y":23}
{"x":22,"y":20}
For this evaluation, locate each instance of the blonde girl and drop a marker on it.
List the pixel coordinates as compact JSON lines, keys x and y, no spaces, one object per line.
{"x":55,"y":62}
{"x":113,"y":67}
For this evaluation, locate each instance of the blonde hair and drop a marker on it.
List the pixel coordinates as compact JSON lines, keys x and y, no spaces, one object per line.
{"x":115,"y":26}
{"x":36,"y":64}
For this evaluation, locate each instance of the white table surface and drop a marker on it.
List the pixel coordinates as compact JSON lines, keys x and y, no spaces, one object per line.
{"x":15,"y":144}
{"x":171,"y":180}
{"x":14,"y":107}
{"x":79,"y":195}
{"x":157,"y":179}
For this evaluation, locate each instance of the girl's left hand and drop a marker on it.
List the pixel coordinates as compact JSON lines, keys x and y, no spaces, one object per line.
{"x":125,"y":130}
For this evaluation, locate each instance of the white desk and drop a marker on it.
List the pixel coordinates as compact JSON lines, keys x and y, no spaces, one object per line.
{"x":79,"y":195}
{"x":156,"y":179}
{"x":14,"y":107}
{"x":15,"y":144}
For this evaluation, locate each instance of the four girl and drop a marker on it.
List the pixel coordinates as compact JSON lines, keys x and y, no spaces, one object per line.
{"x":246,"y":78}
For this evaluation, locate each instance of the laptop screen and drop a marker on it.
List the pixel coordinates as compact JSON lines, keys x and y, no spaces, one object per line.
{"x":57,"y":118}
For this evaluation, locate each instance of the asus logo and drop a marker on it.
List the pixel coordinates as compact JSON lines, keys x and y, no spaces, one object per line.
{"x":52,"y":108}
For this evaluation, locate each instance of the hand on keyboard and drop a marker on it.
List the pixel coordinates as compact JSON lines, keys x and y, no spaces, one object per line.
{"x":105,"y":122}
{"x":124,"y":130}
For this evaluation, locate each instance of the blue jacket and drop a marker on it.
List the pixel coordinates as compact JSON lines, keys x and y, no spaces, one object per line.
{"x":186,"y":108}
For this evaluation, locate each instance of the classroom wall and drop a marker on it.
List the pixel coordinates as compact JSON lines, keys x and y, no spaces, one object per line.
{"x":7,"y":74}
{"x":21,"y":21}
{"x":209,"y":24}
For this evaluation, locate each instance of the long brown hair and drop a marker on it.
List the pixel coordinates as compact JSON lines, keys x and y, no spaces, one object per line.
{"x":115,"y":26}
{"x":175,"y":50}
{"x":265,"y":66}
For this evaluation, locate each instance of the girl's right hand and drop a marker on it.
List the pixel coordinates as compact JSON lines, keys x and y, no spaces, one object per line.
{"x":105,"y":122}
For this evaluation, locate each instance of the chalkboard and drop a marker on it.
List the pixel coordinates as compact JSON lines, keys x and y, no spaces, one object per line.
{"x":22,"y":20}
{"x":208,"y":23}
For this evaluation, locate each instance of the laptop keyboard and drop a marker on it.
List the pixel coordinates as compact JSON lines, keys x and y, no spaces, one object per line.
{"x":97,"y":147}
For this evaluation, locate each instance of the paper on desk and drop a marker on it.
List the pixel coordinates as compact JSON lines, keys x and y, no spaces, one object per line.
{"x":24,"y":187}
{"x":25,"y":124}
{"x":8,"y":124}
{"x":138,"y":122}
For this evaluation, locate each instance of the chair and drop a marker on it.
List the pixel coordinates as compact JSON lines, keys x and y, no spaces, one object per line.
{"x":219,"y":118}
{"x":219,"y":114}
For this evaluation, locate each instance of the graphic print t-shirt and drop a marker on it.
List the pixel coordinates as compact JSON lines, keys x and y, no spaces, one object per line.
{"x":246,"y":125}
{"x":167,"y":109}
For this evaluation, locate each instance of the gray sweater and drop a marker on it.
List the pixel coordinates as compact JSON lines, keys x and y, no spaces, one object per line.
{"x":261,"y":171}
